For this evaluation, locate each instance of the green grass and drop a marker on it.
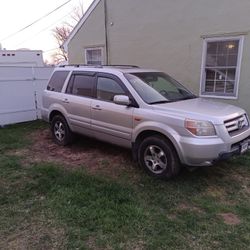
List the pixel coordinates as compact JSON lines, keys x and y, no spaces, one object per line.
{"x":13,"y":136}
{"x":45,"y":206}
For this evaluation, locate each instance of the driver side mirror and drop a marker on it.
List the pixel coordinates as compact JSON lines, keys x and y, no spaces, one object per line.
{"x":122,"y":100}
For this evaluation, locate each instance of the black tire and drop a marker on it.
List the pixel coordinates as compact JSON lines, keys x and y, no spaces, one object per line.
{"x":60,"y":130}
{"x":158,"y":157}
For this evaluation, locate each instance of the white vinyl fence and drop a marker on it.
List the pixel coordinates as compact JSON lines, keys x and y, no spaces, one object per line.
{"x":20,"y":93}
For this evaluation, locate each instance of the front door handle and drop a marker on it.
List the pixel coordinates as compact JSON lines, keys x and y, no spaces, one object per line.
{"x":97,"y":107}
{"x":65,"y":100}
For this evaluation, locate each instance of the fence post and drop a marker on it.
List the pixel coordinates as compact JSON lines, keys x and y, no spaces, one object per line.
{"x":35,"y":92}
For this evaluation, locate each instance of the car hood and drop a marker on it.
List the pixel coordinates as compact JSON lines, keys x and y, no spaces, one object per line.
{"x":200,"y":108}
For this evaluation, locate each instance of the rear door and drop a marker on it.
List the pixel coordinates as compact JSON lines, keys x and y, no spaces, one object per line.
{"x":111,"y":122}
{"x":78,"y":99}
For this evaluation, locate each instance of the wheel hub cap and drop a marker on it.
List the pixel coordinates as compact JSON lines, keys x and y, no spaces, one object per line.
{"x":59,"y":131}
{"x":155,"y":159}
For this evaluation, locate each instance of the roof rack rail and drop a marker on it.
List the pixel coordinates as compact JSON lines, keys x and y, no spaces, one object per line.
{"x":79,"y":65}
{"x":121,"y":65}
{"x":99,"y":66}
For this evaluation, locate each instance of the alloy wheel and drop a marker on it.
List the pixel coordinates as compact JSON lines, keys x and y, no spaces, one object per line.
{"x":59,"y":131}
{"x":155,"y":159}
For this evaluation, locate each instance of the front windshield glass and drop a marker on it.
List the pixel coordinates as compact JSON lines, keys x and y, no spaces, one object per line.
{"x":157,"y":87}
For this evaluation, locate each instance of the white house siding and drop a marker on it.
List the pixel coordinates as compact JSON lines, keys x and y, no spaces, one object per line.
{"x":20,"y":93}
{"x":168,"y":35}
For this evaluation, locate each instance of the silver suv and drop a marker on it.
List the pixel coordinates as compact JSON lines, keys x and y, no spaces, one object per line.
{"x":164,"y":124}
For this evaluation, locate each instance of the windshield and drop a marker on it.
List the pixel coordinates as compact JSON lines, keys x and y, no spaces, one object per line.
{"x":157,"y":87}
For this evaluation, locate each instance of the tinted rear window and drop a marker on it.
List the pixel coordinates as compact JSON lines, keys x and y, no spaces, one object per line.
{"x":81,"y":85}
{"x":57,"y":80}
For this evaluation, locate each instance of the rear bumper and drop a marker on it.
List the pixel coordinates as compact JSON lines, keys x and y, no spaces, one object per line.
{"x":45,"y":114}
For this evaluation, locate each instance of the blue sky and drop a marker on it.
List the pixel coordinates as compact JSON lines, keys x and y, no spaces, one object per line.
{"x":16,"y":14}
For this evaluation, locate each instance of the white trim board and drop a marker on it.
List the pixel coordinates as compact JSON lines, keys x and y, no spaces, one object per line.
{"x":80,"y":23}
{"x":238,"y":69}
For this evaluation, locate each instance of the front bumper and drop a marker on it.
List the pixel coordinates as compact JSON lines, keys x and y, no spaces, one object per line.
{"x":237,"y":149}
{"x":205,"y":152}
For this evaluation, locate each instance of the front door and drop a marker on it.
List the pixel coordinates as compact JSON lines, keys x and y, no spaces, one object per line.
{"x":111,"y":122}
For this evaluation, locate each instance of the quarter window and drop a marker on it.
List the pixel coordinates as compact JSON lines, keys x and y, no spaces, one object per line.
{"x":107,"y":88}
{"x":57,"y":81}
{"x":81,"y":85}
{"x":221,"y":67}
{"x":94,"y":56}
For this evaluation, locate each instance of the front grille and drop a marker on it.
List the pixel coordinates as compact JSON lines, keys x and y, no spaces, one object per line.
{"x":236,"y":125}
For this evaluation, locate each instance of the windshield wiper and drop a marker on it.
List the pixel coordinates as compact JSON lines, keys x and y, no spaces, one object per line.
{"x":159,"y":102}
{"x":188,"y":97}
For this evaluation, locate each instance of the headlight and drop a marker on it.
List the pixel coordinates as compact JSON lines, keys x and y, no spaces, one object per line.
{"x":200,"y":128}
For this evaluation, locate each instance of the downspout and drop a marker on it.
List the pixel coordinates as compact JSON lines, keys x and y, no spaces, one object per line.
{"x":106,"y":31}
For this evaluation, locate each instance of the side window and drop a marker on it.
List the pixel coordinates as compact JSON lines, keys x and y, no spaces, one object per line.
{"x":57,"y":81}
{"x":81,"y":85}
{"x":107,"y":88}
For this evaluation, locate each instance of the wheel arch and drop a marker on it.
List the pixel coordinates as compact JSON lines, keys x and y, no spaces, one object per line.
{"x":151,"y":132}
{"x":54,"y":113}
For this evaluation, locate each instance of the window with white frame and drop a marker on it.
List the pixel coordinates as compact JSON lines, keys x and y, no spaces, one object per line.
{"x":221,"y":66}
{"x":94,"y":56}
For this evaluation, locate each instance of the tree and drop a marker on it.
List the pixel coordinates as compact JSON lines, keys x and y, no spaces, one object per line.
{"x":62,"y":32}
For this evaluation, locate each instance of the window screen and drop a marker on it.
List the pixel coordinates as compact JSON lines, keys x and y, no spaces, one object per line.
{"x":57,"y":81}
{"x":93,"y":56}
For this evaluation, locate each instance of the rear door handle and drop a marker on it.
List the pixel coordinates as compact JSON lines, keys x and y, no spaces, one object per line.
{"x":66,"y":100}
{"x":97,"y":107}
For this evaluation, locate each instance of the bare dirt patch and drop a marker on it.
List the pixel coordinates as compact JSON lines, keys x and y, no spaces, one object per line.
{"x":220,"y":194}
{"x":244,"y":180}
{"x":230,"y":218}
{"x":185,"y":206}
{"x":35,"y":235}
{"x":94,"y":156}
{"x":215,"y":192}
